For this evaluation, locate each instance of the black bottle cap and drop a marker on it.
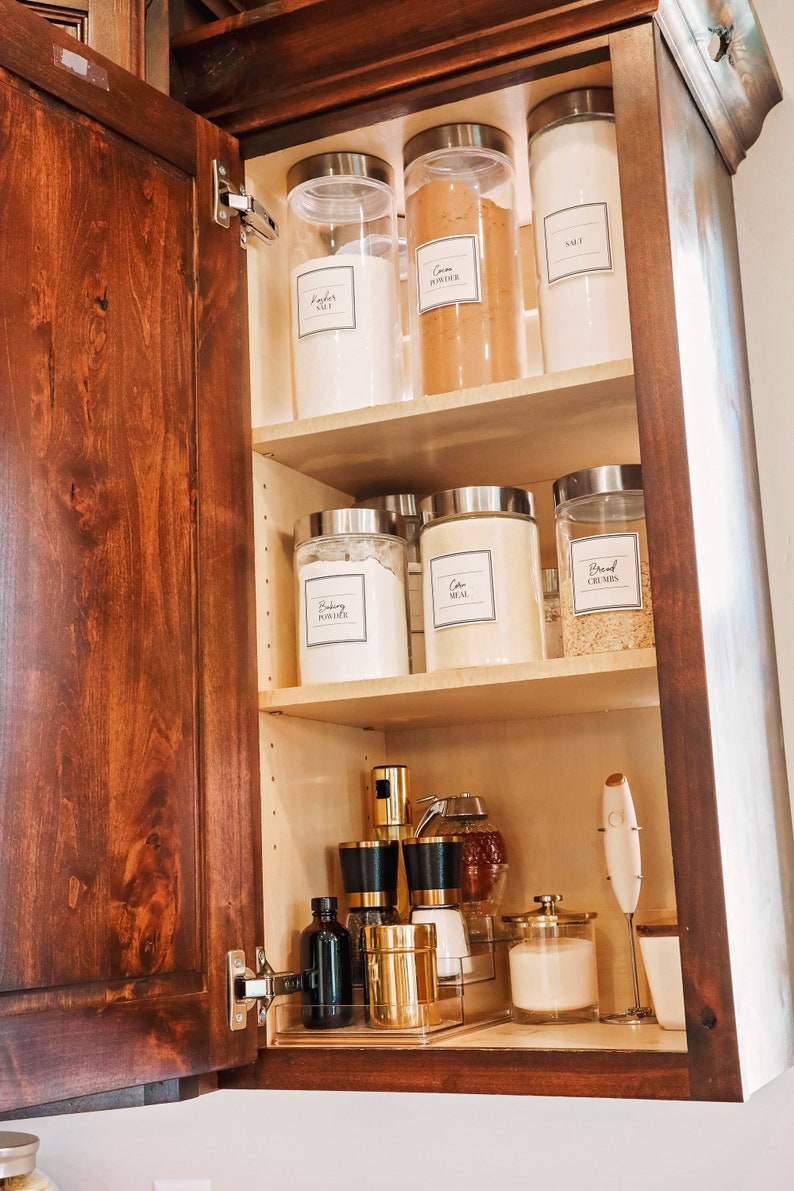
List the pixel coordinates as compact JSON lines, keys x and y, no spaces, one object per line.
{"x":324,"y":905}
{"x":370,"y":866}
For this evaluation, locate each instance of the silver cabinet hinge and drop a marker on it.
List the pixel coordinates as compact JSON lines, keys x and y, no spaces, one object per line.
{"x":226,"y":201}
{"x":260,"y":988}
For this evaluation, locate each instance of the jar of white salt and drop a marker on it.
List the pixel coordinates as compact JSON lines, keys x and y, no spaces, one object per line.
{"x":465,"y":291}
{"x":351,"y":572}
{"x":578,"y":228}
{"x":344,"y":284}
{"x":552,"y":964}
{"x":481,"y":583}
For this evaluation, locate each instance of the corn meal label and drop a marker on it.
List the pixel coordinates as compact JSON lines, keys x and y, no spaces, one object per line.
{"x":577,"y":241}
{"x":605,"y":573}
{"x":336,"y":609}
{"x":447,"y":272}
{"x":326,"y":300}
{"x":462,"y":587}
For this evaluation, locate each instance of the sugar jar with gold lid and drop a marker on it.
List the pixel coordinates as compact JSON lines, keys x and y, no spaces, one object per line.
{"x":552,"y":963}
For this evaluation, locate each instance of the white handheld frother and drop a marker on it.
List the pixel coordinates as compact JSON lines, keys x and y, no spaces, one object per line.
{"x":624,"y":868}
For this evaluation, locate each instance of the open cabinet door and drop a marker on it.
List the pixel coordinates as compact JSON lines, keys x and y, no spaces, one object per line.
{"x":127,"y":689}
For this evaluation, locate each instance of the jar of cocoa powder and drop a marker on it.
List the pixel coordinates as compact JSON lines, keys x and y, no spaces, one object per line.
{"x":464,"y":276}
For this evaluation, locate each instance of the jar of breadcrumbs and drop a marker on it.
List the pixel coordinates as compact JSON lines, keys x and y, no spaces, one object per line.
{"x":602,"y":551}
{"x":18,"y":1171}
{"x":465,"y":295}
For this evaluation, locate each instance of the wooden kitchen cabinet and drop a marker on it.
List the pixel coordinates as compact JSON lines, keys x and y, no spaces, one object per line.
{"x":695,"y":723}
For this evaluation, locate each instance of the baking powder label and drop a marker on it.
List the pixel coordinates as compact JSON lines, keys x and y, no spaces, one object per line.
{"x":326,"y":299}
{"x":605,"y":573}
{"x":462,"y":588}
{"x":335,"y":608}
{"x":448,"y":271}
{"x":577,"y":241}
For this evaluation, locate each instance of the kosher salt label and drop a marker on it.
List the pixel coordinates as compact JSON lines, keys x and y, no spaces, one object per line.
{"x":336,"y":609}
{"x":462,"y":588}
{"x":447,"y":272}
{"x":326,"y":299}
{"x":605,"y":573}
{"x":577,"y":241}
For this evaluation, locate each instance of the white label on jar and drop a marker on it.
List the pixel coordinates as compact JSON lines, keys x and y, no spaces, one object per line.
{"x":463,"y":588}
{"x":577,"y":241}
{"x":605,"y":573}
{"x":326,"y":299}
{"x":336,"y":609}
{"x":448,"y":271}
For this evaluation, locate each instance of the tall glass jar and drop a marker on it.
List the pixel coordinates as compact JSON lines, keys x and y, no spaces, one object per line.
{"x":602,"y":551}
{"x":344,"y":283}
{"x":482,"y":596}
{"x":578,"y":228}
{"x":464,"y":277}
{"x":351,"y":575}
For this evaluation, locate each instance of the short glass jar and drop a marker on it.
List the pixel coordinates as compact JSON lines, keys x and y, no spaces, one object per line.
{"x":602,"y":551}
{"x":18,"y":1171}
{"x":351,"y":572}
{"x":552,"y":964}
{"x":344,"y":283}
{"x":552,"y":615}
{"x":573,"y":168}
{"x":481,"y":587}
{"x":465,"y":292}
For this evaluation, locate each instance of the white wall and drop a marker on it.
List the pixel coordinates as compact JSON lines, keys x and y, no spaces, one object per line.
{"x":356,"y":1142}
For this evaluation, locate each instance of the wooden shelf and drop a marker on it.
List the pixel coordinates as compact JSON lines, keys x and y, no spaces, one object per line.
{"x":577,"y":419}
{"x":559,"y":686}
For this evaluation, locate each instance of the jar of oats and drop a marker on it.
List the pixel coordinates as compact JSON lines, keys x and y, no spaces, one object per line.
{"x":602,"y":551}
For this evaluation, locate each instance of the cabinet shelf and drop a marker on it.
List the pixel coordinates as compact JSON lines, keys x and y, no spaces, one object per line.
{"x":559,"y":686}
{"x":577,"y":418}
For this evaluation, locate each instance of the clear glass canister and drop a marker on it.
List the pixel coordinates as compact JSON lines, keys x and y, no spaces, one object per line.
{"x":351,"y":572}
{"x":465,"y":288}
{"x":602,"y":551}
{"x":578,"y":228}
{"x":551,"y":612}
{"x":18,"y":1170}
{"x":481,"y":586}
{"x":552,"y":963}
{"x":344,"y":284}
{"x":407,"y":505}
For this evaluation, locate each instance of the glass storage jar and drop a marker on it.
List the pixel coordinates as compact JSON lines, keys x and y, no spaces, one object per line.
{"x":351,"y":582}
{"x":465,"y":293}
{"x":602,"y":551}
{"x":578,"y":228}
{"x":481,"y":588}
{"x":552,"y":964}
{"x":344,"y":283}
{"x":18,"y":1170}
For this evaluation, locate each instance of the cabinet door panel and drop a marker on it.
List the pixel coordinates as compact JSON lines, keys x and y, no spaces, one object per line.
{"x":127,"y":700}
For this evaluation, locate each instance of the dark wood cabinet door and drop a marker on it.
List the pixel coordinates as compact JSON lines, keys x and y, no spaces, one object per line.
{"x":127,"y":693}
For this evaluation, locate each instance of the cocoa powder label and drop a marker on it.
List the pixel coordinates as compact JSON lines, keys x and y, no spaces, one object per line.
{"x":447,"y":272}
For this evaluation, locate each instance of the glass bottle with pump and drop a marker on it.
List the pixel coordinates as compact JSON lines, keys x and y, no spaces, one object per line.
{"x":391,"y":819}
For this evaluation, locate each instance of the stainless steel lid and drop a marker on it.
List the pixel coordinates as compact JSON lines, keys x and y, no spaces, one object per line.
{"x":404,"y":503}
{"x":340,"y":165}
{"x":17,"y":1153}
{"x":596,"y":481}
{"x":457,"y":136}
{"x":584,"y":103}
{"x":471,"y":502}
{"x":549,"y":914}
{"x":336,"y":522}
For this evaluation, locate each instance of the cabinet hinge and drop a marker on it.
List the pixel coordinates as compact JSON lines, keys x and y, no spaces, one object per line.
{"x":260,"y":988}
{"x":226,"y":201}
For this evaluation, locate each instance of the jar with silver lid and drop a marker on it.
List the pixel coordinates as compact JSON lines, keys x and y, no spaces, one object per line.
{"x":602,"y":551}
{"x":18,"y":1171}
{"x":481,"y":585}
{"x":351,"y":572}
{"x":573,"y":168}
{"x":407,"y":505}
{"x":465,"y":287}
{"x":344,"y":283}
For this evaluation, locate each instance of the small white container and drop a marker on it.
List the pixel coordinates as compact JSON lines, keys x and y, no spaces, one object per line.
{"x":351,"y":572}
{"x":481,"y":587}
{"x":661,"y":955}
{"x":578,"y":228}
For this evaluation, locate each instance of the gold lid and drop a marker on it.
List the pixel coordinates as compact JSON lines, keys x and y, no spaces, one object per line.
{"x":367,"y":899}
{"x":435,"y":897}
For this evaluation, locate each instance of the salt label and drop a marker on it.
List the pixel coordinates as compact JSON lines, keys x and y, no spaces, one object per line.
{"x":448,"y":272}
{"x":462,"y":587}
{"x":336,"y":609}
{"x":577,"y":241}
{"x":326,"y":299}
{"x":605,"y":573}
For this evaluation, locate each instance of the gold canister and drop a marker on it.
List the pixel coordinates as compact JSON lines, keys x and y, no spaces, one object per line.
{"x":401,"y":977}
